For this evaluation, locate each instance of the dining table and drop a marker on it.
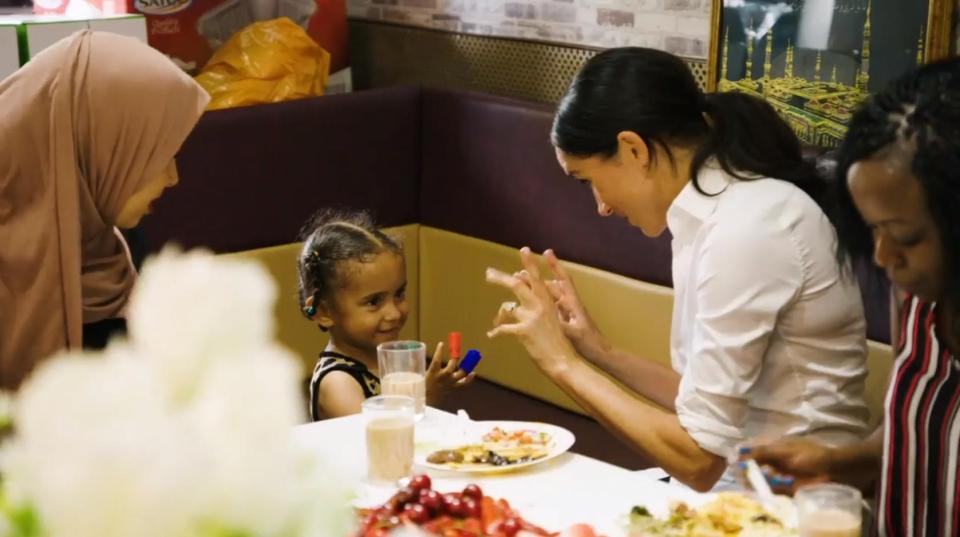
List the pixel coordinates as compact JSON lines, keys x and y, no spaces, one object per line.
{"x":568,"y":489}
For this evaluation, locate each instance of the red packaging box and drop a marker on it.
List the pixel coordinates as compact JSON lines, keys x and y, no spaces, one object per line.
{"x":189,"y":31}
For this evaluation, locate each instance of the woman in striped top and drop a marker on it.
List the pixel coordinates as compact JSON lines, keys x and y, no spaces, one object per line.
{"x":899,"y":200}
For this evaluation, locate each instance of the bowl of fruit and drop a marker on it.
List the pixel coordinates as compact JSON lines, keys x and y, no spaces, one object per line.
{"x":465,"y":513}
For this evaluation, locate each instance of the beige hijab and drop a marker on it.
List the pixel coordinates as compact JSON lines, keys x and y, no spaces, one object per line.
{"x":83,"y":126}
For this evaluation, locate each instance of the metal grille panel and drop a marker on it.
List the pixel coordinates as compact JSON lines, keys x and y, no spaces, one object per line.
{"x":386,"y":55}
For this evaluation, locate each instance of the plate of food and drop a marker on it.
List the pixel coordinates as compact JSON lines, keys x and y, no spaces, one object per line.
{"x":496,"y":446}
{"x":724,"y":514}
{"x":469,"y":513}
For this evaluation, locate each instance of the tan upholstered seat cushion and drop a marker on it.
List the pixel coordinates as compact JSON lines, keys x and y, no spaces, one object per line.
{"x":447,"y":291}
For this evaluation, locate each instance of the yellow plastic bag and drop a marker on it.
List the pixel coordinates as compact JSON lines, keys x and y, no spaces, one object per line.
{"x":266,"y":62}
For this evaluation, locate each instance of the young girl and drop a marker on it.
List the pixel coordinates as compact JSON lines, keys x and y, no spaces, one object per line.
{"x":353,"y":282}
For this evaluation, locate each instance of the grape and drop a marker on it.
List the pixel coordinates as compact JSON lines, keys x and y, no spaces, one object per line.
{"x":431,"y":499}
{"x":471,"y":508}
{"x":453,"y":504}
{"x":509,"y":527}
{"x":419,"y":482}
{"x":403,"y":497}
{"x":473,"y":491}
{"x":416,"y":513}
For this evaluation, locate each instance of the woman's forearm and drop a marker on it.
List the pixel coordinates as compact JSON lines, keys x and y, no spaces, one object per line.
{"x":653,"y":432}
{"x":652,"y":380}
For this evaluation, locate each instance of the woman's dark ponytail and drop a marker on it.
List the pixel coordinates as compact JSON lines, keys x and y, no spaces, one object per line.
{"x":653,"y":94}
{"x":748,"y":139}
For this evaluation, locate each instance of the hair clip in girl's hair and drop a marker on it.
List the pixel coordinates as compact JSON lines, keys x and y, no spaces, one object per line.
{"x":309,"y":311}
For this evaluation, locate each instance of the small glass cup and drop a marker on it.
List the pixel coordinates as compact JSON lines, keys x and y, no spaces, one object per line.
{"x":403,"y":367}
{"x":829,"y":510}
{"x":389,"y":423}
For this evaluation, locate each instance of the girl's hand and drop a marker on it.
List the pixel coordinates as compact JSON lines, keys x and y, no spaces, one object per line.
{"x":443,"y":378}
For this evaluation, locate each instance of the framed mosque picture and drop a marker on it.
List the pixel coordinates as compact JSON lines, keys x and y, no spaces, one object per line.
{"x":816,"y":60}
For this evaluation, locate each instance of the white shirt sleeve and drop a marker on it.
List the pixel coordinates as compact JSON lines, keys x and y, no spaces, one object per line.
{"x":745,"y":275}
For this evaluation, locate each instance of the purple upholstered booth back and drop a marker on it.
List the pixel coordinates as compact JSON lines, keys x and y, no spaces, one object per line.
{"x":250,"y":177}
{"x":469,"y":163}
{"x":489,"y":171}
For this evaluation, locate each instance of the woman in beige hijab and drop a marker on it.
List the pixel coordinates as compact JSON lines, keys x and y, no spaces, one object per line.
{"x":88,"y":133}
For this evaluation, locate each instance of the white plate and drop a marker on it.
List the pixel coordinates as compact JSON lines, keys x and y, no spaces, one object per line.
{"x":782,"y":508}
{"x":561,"y":440}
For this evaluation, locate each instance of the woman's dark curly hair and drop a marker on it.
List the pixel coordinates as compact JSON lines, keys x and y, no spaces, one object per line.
{"x":921,"y":110}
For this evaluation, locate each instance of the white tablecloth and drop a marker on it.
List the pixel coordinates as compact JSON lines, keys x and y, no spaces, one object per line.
{"x":556,"y":494}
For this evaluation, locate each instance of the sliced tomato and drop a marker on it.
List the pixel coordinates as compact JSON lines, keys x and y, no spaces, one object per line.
{"x":580,"y":530}
{"x":525,"y":525}
{"x":472,"y":526}
{"x":491,"y":514}
{"x":438,"y":525}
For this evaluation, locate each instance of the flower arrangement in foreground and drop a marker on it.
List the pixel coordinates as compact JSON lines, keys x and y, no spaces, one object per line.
{"x":181,"y":430}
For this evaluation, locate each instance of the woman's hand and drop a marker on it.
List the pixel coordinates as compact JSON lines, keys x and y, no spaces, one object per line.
{"x":535,"y":320}
{"x":576,"y":322}
{"x":442,"y":378}
{"x":793,"y":463}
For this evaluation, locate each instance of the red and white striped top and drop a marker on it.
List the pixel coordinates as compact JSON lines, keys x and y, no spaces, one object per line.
{"x":919,"y":487}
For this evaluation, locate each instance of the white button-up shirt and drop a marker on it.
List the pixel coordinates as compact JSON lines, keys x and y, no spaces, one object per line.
{"x":768,"y":332}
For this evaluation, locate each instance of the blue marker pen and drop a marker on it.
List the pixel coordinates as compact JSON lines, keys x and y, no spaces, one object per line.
{"x":470,"y":361}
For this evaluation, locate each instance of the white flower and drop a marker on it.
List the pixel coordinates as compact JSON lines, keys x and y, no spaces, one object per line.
{"x":192,"y":309}
{"x":243,"y":413}
{"x":183,"y":428}
{"x":96,"y":453}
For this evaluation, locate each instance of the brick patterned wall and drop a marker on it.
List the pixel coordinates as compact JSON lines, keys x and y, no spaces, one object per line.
{"x":679,"y":26}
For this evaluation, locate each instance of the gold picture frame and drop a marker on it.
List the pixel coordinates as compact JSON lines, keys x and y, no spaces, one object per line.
{"x":819,"y":58}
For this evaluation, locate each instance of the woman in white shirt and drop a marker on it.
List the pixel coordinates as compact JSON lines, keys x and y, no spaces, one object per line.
{"x":768,"y":332}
